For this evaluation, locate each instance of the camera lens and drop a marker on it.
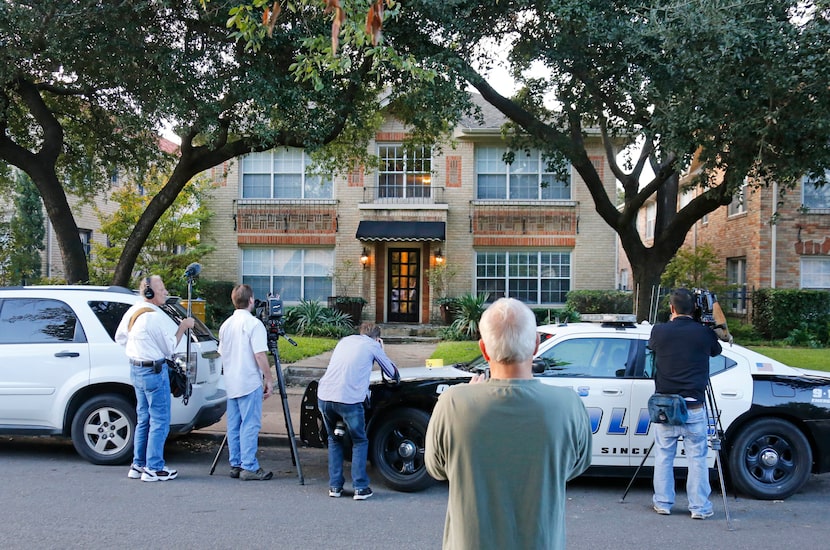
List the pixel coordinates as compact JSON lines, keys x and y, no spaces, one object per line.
{"x":340,"y":429}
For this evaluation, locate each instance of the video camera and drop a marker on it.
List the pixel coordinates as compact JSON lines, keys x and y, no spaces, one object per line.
{"x":269,"y":310}
{"x":704,"y":312}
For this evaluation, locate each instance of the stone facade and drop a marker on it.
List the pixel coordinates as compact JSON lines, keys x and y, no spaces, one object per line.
{"x":471,"y":226}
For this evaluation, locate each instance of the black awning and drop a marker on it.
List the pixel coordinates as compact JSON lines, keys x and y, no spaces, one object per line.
{"x":401,"y":231}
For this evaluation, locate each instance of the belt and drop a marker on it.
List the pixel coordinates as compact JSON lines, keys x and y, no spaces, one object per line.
{"x":137,"y":363}
{"x":694,"y":406}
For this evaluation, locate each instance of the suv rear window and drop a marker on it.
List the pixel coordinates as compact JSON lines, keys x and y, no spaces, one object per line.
{"x":110,"y":314}
{"x":38,"y":321}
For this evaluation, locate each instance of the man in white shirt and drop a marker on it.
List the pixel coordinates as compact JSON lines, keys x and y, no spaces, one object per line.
{"x":150,"y":337}
{"x":243,"y":345}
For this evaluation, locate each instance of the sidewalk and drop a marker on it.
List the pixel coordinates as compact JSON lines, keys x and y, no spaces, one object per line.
{"x":273,"y":421}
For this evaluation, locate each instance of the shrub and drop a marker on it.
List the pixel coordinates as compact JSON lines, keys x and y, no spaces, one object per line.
{"x":217,"y":295}
{"x":311,"y":318}
{"x":468,"y":315}
{"x":599,"y":301}
{"x":777,"y":312}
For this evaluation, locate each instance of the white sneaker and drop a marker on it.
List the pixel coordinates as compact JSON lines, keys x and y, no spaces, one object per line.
{"x":161,"y":475}
{"x":135,"y":472}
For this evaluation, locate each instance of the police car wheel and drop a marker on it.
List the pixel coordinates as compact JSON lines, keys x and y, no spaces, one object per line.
{"x":103,"y":429}
{"x":397,"y":449}
{"x":770,"y":459}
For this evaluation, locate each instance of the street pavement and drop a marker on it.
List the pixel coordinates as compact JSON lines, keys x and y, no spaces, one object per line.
{"x":412,"y":354}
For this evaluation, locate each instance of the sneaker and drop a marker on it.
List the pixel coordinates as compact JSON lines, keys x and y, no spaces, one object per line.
{"x":160,"y":475}
{"x":335,"y":492}
{"x":702,"y":515}
{"x":362,"y":494}
{"x":662,"y":511}
{"x":259,"y":475}
{"x":235,"y":471}
{"x":135,"y":472}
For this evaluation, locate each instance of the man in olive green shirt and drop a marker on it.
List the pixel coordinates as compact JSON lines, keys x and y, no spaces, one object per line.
{"x":507,"y":445}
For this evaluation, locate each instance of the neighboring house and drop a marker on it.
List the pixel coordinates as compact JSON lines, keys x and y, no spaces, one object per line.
{"x":89,"y":226}
{"x":505,"y":229}
{"x":793,"y":251}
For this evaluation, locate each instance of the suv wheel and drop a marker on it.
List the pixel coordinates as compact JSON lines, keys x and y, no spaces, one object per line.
{"x":397,"y":449}
{"x":103,"y":430}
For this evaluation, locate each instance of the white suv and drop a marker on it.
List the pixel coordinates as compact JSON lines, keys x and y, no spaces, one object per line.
{"x":62,"y":373}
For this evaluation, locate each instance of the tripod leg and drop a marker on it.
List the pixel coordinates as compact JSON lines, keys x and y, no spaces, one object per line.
{"x":287,"y":414}
{"x":218,"y":454}
{"x":637,"y":471}
{"x":713,"y":416}
{"x":729,"y":526}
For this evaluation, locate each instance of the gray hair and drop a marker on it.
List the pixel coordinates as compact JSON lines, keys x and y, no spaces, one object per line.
{"x":508,"y":329}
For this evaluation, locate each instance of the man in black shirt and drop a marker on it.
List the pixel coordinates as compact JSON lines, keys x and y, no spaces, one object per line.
{"x":682,"y":348}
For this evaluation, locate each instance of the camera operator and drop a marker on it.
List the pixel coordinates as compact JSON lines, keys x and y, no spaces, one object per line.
{"x":341,"y":393}
{"x":682,"y":348}
{"x":243,"y":345}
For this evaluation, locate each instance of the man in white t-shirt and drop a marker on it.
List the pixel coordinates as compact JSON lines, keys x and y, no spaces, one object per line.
{"x":243,"y":345}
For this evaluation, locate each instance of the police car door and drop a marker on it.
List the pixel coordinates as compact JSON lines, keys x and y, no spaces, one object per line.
{"x":598,"y":368}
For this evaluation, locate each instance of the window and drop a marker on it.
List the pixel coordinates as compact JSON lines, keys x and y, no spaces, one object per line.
{"x":404,"y":172}
{"x":532,"y":277}
{"x":815,"y":272}
{"x":109,"y":314}
{"x":38,"y":321}
{"x":282,"y":174}
{"x":293,"y":273}
{"x":815,"y":198}
{"x":651,"y":217}
{"x":738,"y":204}
{"x":588,"y":357}
{"x":736,"y":277}
{"x":86,"y":240}
{"x":526,"y":178}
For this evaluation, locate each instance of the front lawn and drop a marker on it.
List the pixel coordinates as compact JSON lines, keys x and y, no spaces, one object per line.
{"x":804,"y":358}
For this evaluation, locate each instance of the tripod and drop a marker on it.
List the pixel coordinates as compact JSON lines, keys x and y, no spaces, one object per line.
{"x":275,"y":330}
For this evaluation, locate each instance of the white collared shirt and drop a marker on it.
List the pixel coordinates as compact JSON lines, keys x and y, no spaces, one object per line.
{"x":152,"y":337}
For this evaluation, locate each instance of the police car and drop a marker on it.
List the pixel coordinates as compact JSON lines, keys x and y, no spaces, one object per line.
{"x":771,"y":420}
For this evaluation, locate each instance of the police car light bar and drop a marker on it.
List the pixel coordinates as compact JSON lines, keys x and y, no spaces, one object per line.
{"x":609,"y":318}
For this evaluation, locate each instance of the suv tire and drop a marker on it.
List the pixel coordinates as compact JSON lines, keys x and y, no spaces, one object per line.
{"x":103,"y":430}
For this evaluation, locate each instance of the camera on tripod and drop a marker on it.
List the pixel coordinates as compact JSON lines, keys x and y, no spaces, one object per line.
{"x":704,"y":307}
{"x":269,"y":310}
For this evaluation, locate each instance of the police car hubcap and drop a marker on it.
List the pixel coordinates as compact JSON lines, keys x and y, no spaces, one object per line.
{"x":769,"y":458}
{"x":407,"y":449}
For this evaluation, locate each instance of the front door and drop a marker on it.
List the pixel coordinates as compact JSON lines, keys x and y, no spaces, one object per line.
{"x":404,"y":285}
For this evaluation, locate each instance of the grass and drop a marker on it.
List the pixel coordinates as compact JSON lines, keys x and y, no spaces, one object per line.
{"x":456,"y":352}
{"x":307,"y":346}
{"x":805,"y":358}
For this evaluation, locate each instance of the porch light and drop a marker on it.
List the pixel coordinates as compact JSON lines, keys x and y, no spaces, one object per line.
{"x":439,"y":258}
{"x":364,"y":258}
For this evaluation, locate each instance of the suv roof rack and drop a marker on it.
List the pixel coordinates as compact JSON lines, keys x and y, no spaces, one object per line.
{"x":619,"y":320}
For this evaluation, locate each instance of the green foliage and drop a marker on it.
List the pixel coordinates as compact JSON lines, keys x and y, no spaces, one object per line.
{"x":807,"y":335}
{"x":778,"y":312}
{"x":24,"y":235}
{"x":599,"y":301}
{"x":174,"y":241}
{"x":698,"y":268}
{"x":456,"y":352}
{"x":468,"y":316}
{"x":217,"y":295}
{"x":306,"y":347}
{"x":803,"y":358}
{"x":311,"y":318}
{"x":440,"y":277}
{"x":547,"y":316}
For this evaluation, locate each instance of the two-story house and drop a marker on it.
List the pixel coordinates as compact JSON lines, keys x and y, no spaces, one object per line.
{"x":506,"y":229}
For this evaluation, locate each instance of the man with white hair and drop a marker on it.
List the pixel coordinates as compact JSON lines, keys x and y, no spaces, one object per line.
{"x":507,"y":445}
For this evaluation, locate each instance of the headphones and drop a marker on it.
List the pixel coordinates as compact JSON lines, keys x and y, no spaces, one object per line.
{"x":149,"y":293}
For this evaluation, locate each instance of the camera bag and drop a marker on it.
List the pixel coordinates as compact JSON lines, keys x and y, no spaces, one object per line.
{"x":667,"y":408}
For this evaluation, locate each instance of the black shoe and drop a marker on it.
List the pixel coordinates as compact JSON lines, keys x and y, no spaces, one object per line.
{"x":335,"y":492}
{"x":259,"y":475}
{"x":362,"y":494}
{"x":235,"y":471}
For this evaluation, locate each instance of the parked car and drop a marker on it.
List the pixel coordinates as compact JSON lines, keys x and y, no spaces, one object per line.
{"x":774,"y":420}
{"x":62,"y":373}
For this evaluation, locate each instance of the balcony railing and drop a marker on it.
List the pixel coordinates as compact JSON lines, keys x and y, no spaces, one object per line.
{"x":293,"y":216}
{"x":408,"y":194}
{"x":504,"y":217}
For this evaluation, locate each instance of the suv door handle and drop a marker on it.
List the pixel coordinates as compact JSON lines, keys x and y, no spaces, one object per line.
{"x":67,"y":354}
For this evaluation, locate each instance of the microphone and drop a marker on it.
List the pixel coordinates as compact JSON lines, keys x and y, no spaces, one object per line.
{"x":192,"y":270}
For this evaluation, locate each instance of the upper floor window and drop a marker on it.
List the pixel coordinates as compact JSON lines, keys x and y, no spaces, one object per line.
{"x":536,"y":277}
{"x":282,"y":173}
{"x":86,"y":240}
{"x":404,"y":172}
{"x":651,"y":217}
{"x":527,"y":177}
{"x":738,"y":204}
{"x":736,"y":277}
{"x":816,"y":198}
{"x":815,"y":272}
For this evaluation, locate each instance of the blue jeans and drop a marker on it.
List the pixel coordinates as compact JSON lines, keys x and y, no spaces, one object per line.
{"x":695,"y":445}
{"x":352,"y":415}
{"x":244,"y":423}
{"x":152,"y":394}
